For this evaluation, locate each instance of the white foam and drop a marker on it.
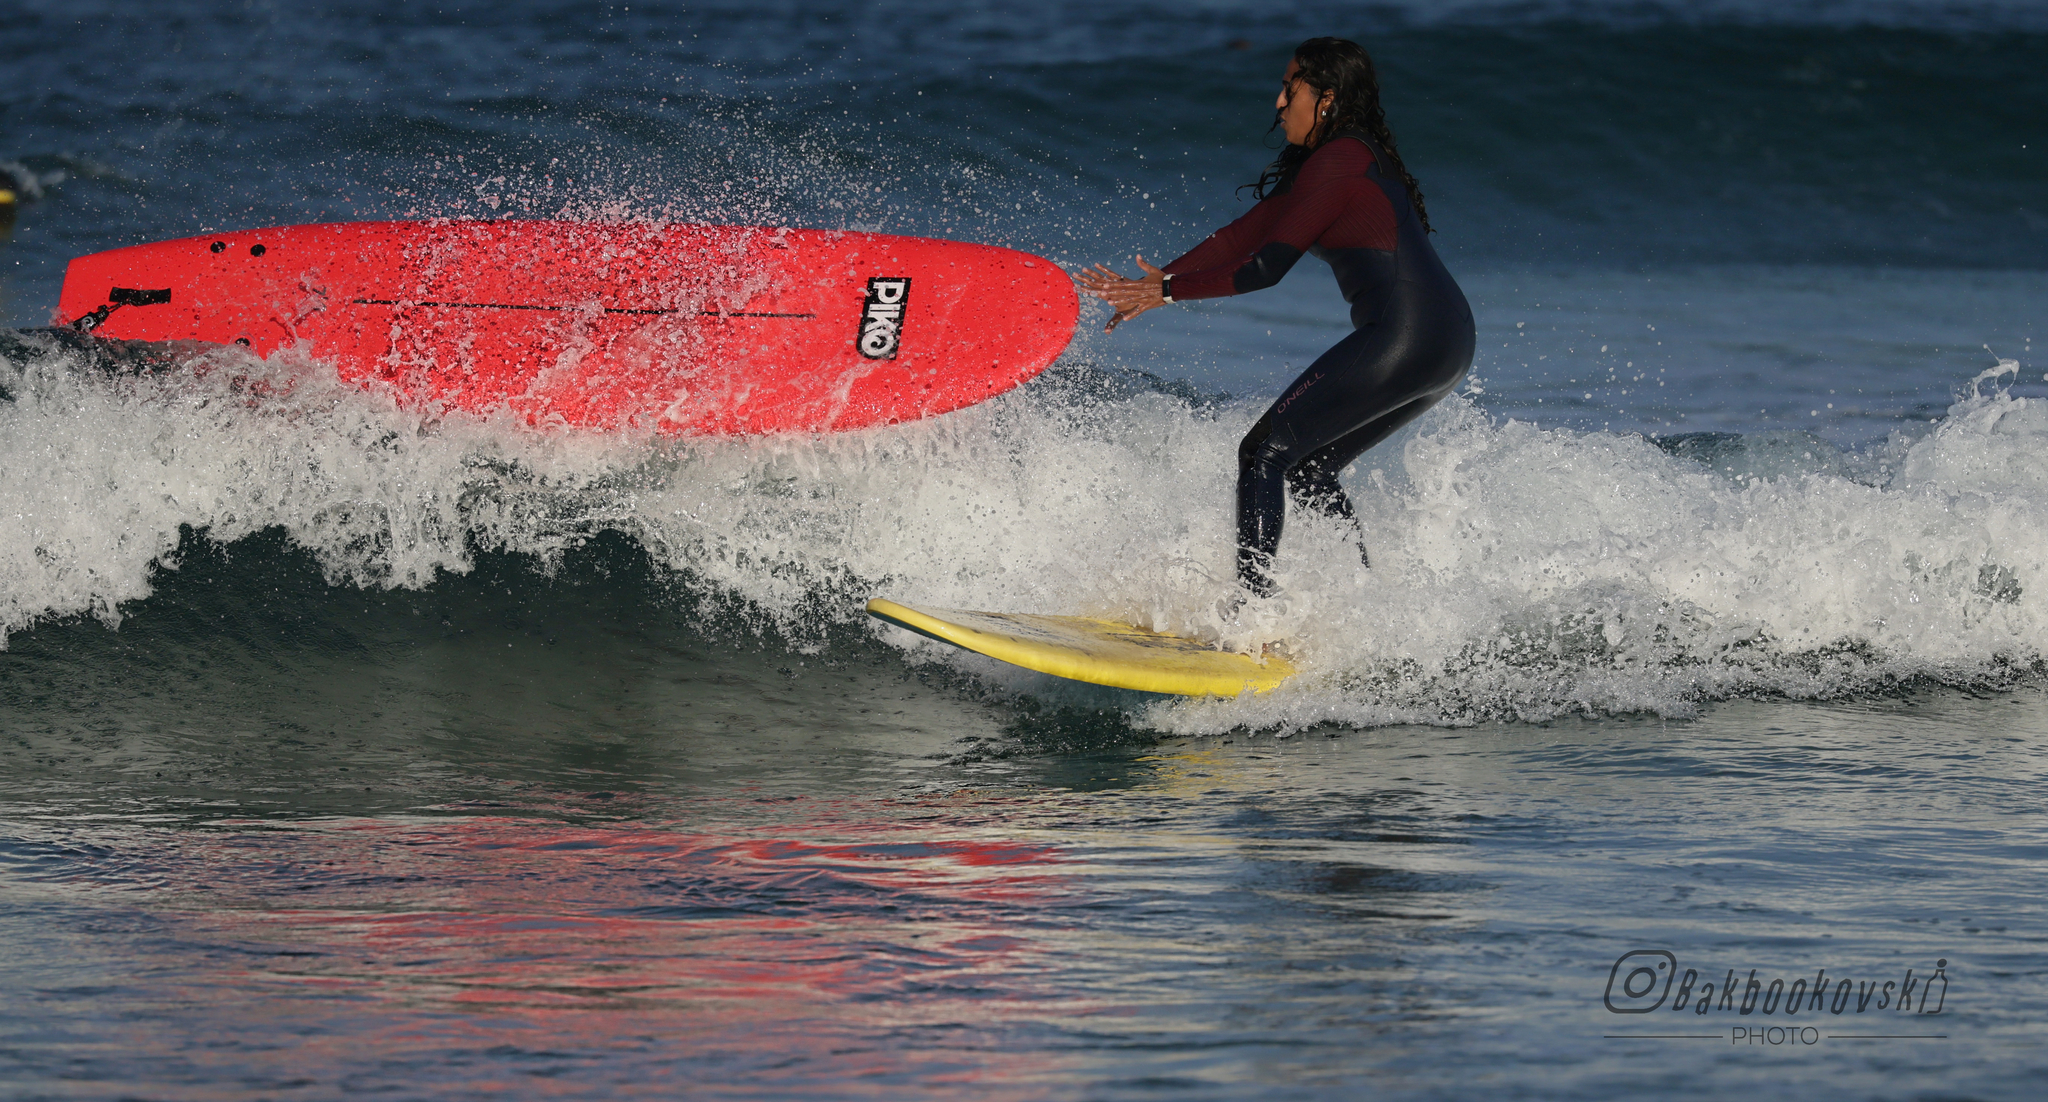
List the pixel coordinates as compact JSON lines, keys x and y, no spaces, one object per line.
{"x":1517,"y":570}
{"x":103,"y":472}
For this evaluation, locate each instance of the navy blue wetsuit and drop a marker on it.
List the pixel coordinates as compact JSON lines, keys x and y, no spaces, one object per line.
{"x":1413,"y":339}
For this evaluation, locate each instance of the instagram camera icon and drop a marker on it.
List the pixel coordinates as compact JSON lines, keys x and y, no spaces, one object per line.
{"x":1637,"y":974}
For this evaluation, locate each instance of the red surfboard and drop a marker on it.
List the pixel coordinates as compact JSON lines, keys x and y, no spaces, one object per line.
{"x":679,"y":328}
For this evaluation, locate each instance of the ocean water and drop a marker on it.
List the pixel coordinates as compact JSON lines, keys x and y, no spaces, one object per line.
{"x":346,"y":751}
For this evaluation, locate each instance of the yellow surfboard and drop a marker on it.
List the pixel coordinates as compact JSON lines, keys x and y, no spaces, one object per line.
{"x":1101,"y":652}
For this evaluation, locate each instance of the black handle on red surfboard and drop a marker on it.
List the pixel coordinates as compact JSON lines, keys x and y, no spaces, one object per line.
{"x":118,"y":297}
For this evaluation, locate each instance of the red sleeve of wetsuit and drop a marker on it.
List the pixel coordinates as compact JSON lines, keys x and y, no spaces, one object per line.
{"x":1227,"y":247}
{"x":1256,"y":250}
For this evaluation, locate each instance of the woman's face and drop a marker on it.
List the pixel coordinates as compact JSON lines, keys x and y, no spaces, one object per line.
{"x":1299,"y":105}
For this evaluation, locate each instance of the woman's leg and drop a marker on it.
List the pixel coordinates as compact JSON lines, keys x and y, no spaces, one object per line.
{"x":1312,"y":483}
{"x":1355,"y":395}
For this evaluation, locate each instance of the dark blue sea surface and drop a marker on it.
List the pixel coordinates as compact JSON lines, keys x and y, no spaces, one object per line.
{"x":1698,"y":674}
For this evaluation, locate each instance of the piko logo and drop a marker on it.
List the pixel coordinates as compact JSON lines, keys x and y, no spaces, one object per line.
{"x":881,"y":319}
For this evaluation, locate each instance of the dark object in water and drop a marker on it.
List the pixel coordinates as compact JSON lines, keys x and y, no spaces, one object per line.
{"x":20,"y":185}
{"x":24,"y":184}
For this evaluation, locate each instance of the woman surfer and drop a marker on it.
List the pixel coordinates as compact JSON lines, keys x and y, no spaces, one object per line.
{"x":1337,"y":190}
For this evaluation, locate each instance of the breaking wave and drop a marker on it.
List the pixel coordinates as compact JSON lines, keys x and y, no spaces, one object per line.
{"x":1518,"y":571}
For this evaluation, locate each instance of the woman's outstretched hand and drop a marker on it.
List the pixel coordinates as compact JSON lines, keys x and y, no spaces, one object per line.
{"x":1130,"y":297}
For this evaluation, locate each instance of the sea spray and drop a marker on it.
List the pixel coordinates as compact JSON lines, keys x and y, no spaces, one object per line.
{"x":1518,"y":571}
{"x":1524,"y":573}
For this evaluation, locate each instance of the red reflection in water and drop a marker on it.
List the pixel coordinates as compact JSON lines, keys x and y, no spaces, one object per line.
{"x":755,"y":948}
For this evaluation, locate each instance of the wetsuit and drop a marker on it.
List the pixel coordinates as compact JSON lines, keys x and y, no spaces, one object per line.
{"x":1412,"y":344}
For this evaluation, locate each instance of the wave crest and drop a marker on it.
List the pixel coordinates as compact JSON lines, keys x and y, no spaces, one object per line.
{"x":1518,"y":571}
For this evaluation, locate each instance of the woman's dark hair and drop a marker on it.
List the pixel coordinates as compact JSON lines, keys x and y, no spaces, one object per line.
{"x":1341,"y":66}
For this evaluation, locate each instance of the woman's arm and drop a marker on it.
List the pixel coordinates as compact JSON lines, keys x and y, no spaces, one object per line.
{"x":1330,"y":184}
{"x":1254,"y":251}
{"x":1228,"y":246}
{"x":1220,"y":251}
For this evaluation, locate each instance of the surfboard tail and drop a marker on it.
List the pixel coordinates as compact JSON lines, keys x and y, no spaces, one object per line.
{"x":1100,"y":652}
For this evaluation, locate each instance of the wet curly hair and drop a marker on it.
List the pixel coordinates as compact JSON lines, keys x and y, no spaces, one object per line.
{"x":1341,"y":66}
